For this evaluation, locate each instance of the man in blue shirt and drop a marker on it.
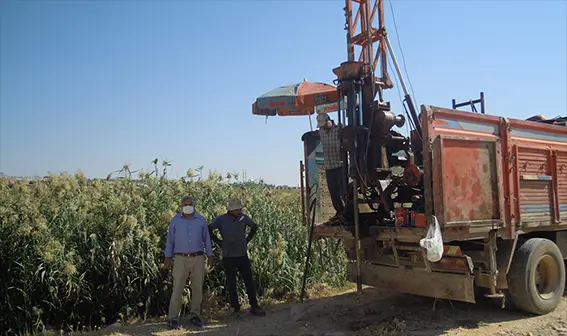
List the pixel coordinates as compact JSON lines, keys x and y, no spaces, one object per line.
{"x":234,"y":244}
{"x":187,"y":239}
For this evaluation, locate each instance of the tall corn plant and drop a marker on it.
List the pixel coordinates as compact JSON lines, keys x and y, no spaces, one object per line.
{"x":76,"y":253}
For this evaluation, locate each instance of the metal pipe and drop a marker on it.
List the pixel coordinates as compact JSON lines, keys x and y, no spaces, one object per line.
{"x":344,"y":154}
{"x":302,"y":185}
{"x":354,"y":161}
{"x":407,"y":95}
{"x":307,"y":187}
{"x":356,"y":233}
{"x":391,"y":51}
{"x":339,"y":119}
{"x":348,"y":24}
{"x":413,"y":112}
{"x":308,"y":257}
{"x":396,"y":138}
{"x":368,"y":35}
{"x":468,"y":103}
{"x":471,"y":103}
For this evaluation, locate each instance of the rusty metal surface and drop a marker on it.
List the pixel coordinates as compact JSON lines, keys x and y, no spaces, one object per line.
{"x":556,"y":206}
{"x":363,"y":26}
{"x":508,"y":179}
{"x":519,"y":180}
{"x":466,"y":168}
{"x":407,"y":234}
{"x":413,"y":235}
{"x":535,"y":200}
{"x":324,"y":231}
{"x":438,"y":285}
{"x":542,"y":181}
{"x":470,"y":180}
{"x":401,"y":234}
{"x":539,"y":187}
{"x":561,"y":172}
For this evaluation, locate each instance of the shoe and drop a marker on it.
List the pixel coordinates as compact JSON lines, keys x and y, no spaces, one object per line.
{"x":257,"y":311}
{"x":196,"y":320}
{"x":332,"y":221}
{"x":173,"y":324}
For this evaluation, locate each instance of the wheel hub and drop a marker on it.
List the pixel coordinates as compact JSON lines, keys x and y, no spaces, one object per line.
{"x":546,"y":277}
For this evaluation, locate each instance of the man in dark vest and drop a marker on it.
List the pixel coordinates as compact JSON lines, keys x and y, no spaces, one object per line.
{"x":234,"y":245}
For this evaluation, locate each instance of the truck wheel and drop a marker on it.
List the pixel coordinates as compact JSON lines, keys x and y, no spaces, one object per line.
{"x":536,"y":279}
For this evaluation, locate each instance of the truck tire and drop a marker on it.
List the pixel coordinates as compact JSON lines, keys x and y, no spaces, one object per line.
{"x":536,"y":279}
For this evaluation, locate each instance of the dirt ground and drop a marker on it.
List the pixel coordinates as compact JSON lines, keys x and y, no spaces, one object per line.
{"x":378,"y":314}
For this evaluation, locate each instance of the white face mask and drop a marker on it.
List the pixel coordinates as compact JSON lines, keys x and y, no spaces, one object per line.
{"x":188,"y":209}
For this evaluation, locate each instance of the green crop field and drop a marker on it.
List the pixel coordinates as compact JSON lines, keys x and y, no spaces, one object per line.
{"x":78,"y":253}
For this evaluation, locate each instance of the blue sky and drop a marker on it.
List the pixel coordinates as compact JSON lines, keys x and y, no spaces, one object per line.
{"x":92,"y":85}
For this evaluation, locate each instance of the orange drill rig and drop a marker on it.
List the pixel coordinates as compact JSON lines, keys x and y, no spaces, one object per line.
{"x":491,"y":190}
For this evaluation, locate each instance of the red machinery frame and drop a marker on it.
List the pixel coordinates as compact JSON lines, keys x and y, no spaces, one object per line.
{"x":360,"y":30}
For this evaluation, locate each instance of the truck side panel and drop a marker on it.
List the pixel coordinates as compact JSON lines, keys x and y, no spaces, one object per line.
{"x":542,"y":173}
{"x":489,"y":172}
{"x":466,"y":167}
{"x":561,"y":162}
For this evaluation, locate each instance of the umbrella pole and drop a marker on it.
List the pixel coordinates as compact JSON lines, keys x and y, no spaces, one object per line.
{"x":310,"y":123}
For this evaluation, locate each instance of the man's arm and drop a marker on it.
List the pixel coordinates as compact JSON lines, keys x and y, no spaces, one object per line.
{"x":168,"y":252}
{"x":215,"y":226}
{"x":253,"y":229}
{"x":207,"y":239}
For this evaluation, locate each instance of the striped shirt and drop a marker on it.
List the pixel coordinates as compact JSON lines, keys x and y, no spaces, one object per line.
{"x":331,"y":147}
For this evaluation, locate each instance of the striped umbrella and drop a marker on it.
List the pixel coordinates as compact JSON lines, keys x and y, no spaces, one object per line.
{"x":297,"y":99}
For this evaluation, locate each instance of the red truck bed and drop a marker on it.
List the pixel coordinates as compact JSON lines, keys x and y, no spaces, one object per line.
{"x":486,"y":171}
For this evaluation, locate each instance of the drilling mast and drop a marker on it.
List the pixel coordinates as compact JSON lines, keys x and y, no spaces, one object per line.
{"x":360,"y":30}
{"x":368,"y":140}
{"x":368,"y":43}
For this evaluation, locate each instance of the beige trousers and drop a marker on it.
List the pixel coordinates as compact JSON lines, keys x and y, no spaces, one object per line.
{"x":183,"y":268}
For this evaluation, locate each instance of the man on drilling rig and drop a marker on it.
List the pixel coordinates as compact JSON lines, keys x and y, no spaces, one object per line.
{"x":330,"y":140}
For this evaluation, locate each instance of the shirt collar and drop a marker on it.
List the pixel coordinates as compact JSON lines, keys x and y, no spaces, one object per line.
{"x":235,"y":219}
{"x":333,"y":126}
{"x":196,"y":215}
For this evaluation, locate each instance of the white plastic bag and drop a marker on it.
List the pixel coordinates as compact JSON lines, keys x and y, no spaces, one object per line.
{"x":433,"y":242}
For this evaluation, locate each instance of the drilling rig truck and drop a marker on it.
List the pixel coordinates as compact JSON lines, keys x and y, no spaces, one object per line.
{"x":497,"y":187}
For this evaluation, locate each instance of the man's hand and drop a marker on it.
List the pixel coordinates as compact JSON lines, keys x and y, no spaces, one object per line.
{"x":210,"y":263}
{"x":167,"y":263}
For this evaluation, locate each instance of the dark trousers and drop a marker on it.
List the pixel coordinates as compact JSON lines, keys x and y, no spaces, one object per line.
{"x":335,"y":185}
{"x":243,"y":266}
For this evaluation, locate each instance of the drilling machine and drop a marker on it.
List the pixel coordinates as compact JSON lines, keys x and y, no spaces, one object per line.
{"x":374,"y":174}
{"x":494,"y":187}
